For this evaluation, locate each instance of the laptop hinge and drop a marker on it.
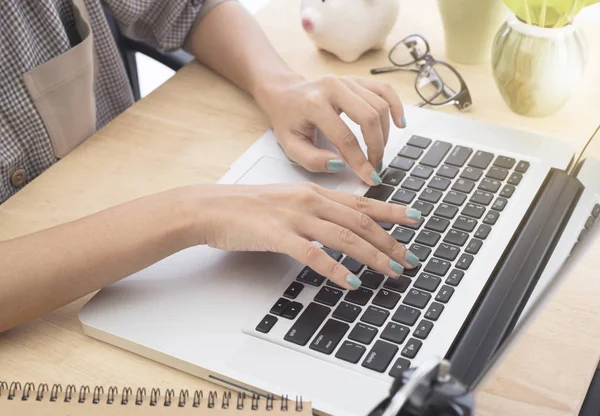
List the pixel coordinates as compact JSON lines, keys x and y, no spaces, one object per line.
{"x":500,"y":304}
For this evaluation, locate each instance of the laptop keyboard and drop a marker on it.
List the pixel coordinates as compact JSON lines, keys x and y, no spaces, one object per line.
{"x":461,"y":193}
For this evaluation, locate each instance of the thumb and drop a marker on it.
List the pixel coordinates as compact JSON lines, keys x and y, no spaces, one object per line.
{"x":304,"y":152}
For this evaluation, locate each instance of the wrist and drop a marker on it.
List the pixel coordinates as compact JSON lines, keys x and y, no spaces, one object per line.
{"x":272,"y":85}
{"x":186,"y":215}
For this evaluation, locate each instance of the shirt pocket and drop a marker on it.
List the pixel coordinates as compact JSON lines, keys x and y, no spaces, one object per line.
{"x":62,"y":90}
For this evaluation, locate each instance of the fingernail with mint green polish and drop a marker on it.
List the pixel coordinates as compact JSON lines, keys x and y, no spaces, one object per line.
{"x":380,"y":166}
{"x":412,"y":259}
{"x":376,"y":178}
{"x":403,"y":121}
{"x":353,"y":281}
{"x":335,"y":165}
{"x":413,"y":214}
{"x":397,"y":267}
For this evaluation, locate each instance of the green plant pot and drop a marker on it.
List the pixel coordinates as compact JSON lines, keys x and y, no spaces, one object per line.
{"x":535,"y":68}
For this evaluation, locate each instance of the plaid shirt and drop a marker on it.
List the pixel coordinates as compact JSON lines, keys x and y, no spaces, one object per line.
{"x":33,"y":32}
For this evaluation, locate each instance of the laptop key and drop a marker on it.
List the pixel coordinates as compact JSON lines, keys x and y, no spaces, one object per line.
{"x":437,"y":224}
{"x":400,"y":284}
{"x":439,"y":183}
{"x":347,"y":312}
{"x":455,"y":277}
{"x":434,"y":311}
{"x":309,"y":276}
{"x":371,"y":279}
{"x":279,"y":306}
{"x":412,"y":272}
{"x":491,"y":217}
{"x":353,"y":265}
{"x":416,"y":225}
{"x":490,"y":185}
{"x":375,"y":316}
{"x":406,"y":315}
{"x":447,"y":252}
{"x":430,"y":195}
{"x":459,"y":156}
{"x":386,"y":299}
{"x":427,"y":282}
{"x":419,"y":141}
{"x":380,"y":356}
{"x":328,"y":296}
{"x":515,"y":178}
{"x":473,"y":210}
{"x":455,"y":198}
{"x":266,"y":324}
{"x":482,"y":197}
{"x":437,"y":266}
{"x":424,"y":207}
{"x":456,"y":237}
{"x":499,"y":204}
{"x":464,"y":223}
{"x":423,"y":329}
{"x":329,"y":336}
{"x":359,"y":296}
{"x":474,"y":246}
{"x":481,"y":159}
{"x":412,"y":348}
{"x":380,"y":193}
{"x":293,"y":290}
{"x":436,"y":153}
{"x":596,"y":211}
{"x":421,"y":171}
{"x":421,"y":251}
{"x":429,"y":238}
{"x":507,"y":191}
{"x":402,"y":163}
{"x":483,"y":231}
{"x":336,"y":255}
{"x":444,"y":294}
{"x":307,"y":324}
{"x":410,"y":152}
{"x":463,"y":185}
{"x":413,"y":184}
{"x":395,"y":332}
{"x":505,"y":162}
{"x":385,"y":225}
{"x":351,"y":352}
{"x":399,"y":366}
{"x":393,"y":176}
{"x":362,"y":333}
{"x":417,"y":298}
{"x":449,"y":172}
{"x":589,"y":223}
{"x":464,"y":262}
{"x":403,"y":235}
{"x":522,"y":166}
{"x":403,"y":196}
{"x":335,"y":285}
{"x":446,"y":211}
{"x":497,"y":173}
{"x":292,"y":310}
{"x":472,"y":174}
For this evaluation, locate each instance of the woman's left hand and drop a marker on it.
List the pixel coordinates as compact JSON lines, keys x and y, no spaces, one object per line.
{"x":296,"y":108}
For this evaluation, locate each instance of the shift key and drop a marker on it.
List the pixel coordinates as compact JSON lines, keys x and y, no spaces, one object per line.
{"x":307,"y":324}
{"x":329,"y":336}
{"x":436,"y":153}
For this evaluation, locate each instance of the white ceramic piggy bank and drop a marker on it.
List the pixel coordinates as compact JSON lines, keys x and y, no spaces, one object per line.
{"x":348,"y":28}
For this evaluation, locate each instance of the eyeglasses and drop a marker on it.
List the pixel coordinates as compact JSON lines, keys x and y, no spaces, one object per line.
{"x":437,"y":83}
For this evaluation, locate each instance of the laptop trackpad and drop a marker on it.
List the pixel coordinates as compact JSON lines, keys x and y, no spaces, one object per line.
{"x":268,"y":170}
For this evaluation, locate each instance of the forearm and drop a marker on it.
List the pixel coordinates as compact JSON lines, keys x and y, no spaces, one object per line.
{"x":230,"y":41}
{"x":48,"y":269}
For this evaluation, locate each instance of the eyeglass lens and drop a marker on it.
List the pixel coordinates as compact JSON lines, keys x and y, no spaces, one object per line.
{"x":409,"y":51}
{"x":437,"y":84}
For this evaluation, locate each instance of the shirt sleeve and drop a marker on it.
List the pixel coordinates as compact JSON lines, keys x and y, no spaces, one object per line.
{"x":165,"y":24}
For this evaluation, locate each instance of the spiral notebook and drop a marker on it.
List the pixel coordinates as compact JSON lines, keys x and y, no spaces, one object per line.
{"x":29,"y":399}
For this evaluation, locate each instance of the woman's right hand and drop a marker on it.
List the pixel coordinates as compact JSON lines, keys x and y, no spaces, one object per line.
{"x":288,"y":218}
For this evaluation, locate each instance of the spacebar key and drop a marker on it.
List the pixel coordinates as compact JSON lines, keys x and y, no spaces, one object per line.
{"x":436,"y":154}
{"x":307,"y":324}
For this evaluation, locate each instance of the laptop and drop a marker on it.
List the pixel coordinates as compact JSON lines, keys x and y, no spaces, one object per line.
{"x":502,"y":209}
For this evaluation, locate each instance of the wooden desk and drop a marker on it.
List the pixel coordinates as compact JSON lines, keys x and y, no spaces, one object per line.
{"x":192,"y":128}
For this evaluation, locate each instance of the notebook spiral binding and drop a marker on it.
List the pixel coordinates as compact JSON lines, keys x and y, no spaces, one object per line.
{"x":16,"y":391}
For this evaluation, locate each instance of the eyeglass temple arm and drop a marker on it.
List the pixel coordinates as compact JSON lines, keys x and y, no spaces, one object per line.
{"x":387,"y":69}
